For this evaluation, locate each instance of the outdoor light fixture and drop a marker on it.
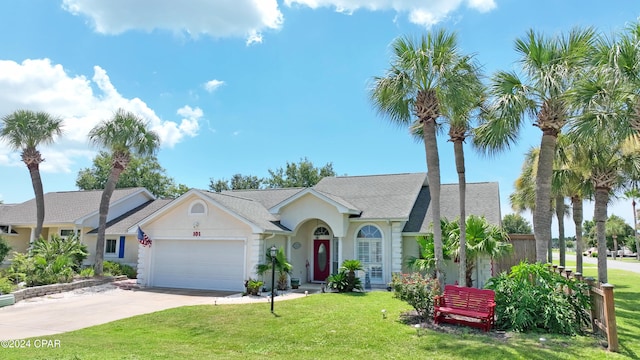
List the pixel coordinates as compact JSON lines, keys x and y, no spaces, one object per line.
{"x":272,"y":252}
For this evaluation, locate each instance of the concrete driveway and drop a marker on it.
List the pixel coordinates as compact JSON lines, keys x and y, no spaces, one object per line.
{"x":82,"y":308}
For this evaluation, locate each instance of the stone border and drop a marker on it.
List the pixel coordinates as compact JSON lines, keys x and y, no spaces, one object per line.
{"x":44,"y":290}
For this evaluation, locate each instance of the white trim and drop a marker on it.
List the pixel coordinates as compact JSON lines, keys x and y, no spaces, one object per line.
{"x":115,"y":254}
{"x":382,"y":263}
{"x":81,"y":220}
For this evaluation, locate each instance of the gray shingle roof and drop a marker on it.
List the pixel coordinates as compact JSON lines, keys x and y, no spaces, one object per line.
{"x":267,"y":197}
{"x":61,"y":207}
{"x":249,"y":209}
{"x":122,"y":223}
{"x":483,"y":199}
{"x":377,"y":196}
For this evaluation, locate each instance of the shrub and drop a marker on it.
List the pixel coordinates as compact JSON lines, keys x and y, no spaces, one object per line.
{"x":6,"y":286}
{"x":37,"y":269}
{"x":594,"y":254}
{"x":346,"y":280}
{"x":534,"y":298}
{"x":253,"y":286}
{"x":70,"y":247}
{"x":4,"y":249}
{"x":417,"y":290}
{"x":115,"y":269}
{"x":129,"y":271}
{"x":87,"y":272}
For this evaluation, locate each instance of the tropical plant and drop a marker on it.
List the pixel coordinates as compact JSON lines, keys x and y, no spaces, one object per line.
{"x":346,"y":280}
{"x":417,"y":290}
{"x":123,"y":135}
{"x":87,"y":272}
{"x":532,"y":298}
{"x":25,"y":130}
{"x":6,"y":286}
{"x":4,"y":249}
{"x":482,"y":239}
{"x":431,"y":79}
{"x":71,"y":247}
{"x":425,"y":261}
{"x":253,"y":286}
{"x":550,"y":67}
{"x":282,"y":266}
{"x":115,"y":269}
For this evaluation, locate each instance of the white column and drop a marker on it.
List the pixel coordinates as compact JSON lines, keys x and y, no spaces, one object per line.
{"x":288,"y":248}
{"x":32,"y":237}
{"x":340,"y":241}
{"x":396,"y":247}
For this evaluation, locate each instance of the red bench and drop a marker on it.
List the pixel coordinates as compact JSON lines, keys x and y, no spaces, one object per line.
{"x":463,"y":305}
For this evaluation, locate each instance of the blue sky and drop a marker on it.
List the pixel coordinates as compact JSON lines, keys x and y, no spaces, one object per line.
{"x":244,"y":86}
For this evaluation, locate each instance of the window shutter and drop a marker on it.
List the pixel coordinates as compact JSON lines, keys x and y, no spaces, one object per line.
{"x":121,"y":250}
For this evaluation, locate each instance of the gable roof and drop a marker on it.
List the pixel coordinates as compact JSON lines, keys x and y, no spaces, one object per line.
{"x":377,"y":196}
{"x":63,"y":206}
{"x":122,"y":223}
{"x":483,"y":199}
{"x":248,"y":209}
{"x":342,"y":205}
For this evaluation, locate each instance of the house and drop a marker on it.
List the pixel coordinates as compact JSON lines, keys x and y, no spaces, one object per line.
{"x":76,"y":212}
{"x":208,"y":240}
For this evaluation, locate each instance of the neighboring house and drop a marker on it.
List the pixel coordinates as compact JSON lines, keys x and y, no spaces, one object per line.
{"x":207,"y":240}
{"x":76,"y":212}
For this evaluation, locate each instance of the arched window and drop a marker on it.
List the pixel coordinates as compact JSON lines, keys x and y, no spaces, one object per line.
{"x":197,"y":208}
{"x":321,"y":230}
{"x":369,"y":252}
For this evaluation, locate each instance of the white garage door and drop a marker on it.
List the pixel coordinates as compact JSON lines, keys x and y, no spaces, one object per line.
{"x":198,"y":264}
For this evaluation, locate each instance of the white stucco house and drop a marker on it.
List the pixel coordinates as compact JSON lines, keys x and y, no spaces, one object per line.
{"x":208,"y":240}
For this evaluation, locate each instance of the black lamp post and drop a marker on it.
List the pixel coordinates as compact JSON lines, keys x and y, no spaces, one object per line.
{"x":273,"y":252}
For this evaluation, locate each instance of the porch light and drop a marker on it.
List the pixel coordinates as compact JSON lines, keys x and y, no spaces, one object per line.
{"x":272,"y":252}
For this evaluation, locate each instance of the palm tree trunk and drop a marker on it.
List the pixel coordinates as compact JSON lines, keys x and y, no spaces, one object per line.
{"x":635,"y":229}
{"x":458,"y":150}
{"x":560,"y":216}
{"x":468,"y":272}
{"x":577,"y":220}
{"x":109,"y":187}
{"x":542,"y":212}
{"x":36,"y":181}
{"x":600,"y":217}
{"x":433,"y":176}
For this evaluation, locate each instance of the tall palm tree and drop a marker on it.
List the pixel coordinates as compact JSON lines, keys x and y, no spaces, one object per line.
{"x":125,"y":133}
{"x":25,"y":130}
{"x":428,"y":78}
{"x":550,"y":66}
{"x":572,"y":177}
{"x":633,"y":194}
{"x":613,"y":227}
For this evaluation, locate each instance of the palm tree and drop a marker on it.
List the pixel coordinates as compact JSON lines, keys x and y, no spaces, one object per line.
{"x":282,"y":265}
{"x":25,"y":130}
{"x":428,"y":78}
{"x":633,"y":194}
{"x":550,"y":66}
{"x":572,"y":176}
{"x":425,"y":261}
{"x":124,"y":134}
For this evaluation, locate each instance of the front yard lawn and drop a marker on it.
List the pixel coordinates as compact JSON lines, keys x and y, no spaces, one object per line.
{"x":325,"y":326}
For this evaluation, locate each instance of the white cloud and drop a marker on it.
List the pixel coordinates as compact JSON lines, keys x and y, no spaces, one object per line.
{"x":238,"y":18}
{"x":212,"y":85}
{"x":37,"y":84}
{"x":425,"y":13}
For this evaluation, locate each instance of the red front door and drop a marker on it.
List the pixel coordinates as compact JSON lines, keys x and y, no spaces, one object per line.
{"x":321,"y":258}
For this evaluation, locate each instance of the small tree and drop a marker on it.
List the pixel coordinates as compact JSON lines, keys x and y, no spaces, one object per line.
{"x":516,"y":224}
{"x":345,"y":280}
{"x":282,"y":266}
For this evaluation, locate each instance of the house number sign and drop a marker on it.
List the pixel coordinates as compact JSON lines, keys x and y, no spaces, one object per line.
{"x":196,"y":233}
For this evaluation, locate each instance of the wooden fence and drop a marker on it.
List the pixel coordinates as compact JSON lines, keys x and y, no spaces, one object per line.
{"x":524,"y":249}
{"x":603,"y":314}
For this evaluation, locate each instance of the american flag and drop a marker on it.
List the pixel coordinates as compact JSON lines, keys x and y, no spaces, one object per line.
{"x":143,"y":238}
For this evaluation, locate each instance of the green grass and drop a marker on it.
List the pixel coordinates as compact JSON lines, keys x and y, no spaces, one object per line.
{"x":327,"y":326}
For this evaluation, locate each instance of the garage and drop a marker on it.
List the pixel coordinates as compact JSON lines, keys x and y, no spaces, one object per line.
{"x":198,"y":264}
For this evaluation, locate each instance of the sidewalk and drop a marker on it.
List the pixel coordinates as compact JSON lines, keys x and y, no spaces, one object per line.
{"x":611,"y":264}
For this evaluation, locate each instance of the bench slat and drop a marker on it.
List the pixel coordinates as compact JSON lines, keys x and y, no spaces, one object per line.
{"x":468,"y":302}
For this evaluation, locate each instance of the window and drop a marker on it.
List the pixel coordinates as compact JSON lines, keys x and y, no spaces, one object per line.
{"x":66,"y":233}
{"x":369,"y":252}
{"x":6,"y":229}
{"x":321,"y":231}
{"x":197,"y":208}
{"x":110,"y":247}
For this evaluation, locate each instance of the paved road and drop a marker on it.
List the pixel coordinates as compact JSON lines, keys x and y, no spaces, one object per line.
{"x":611,"y":264}
{"x":64,"y":312}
